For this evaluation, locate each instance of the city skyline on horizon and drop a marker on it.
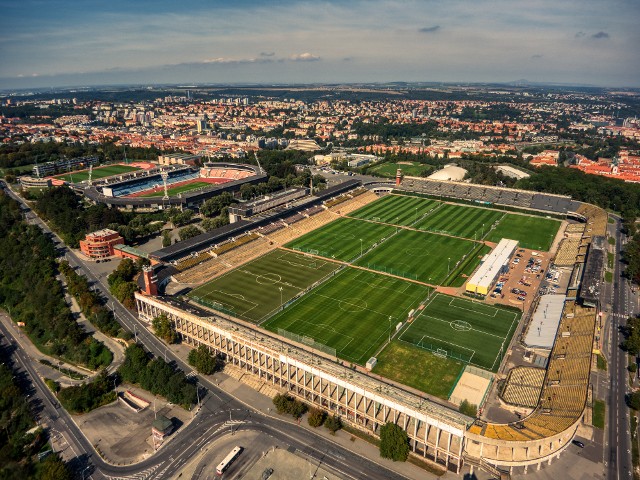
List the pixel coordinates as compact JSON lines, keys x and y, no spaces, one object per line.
{"x":54,"y":44}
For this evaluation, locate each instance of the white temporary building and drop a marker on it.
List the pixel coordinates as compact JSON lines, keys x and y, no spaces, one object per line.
{"x":481,"y":281}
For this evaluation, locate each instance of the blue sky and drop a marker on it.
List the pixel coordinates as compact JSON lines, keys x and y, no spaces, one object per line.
{"x":85,"y":42}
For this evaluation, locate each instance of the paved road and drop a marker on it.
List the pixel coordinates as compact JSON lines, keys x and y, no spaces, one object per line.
{"x":618,"y":457}
{"x":209,"y":423}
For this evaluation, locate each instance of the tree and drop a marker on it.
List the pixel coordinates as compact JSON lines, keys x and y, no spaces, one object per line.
{"x":166,"y":238}
{"x":468,"y":409}
{"x":203,"y":360}
{"x":333,"y":424}
{"x":164,"y":329}
{"x":53,"y":468}
{"x":189,"y":231}
{"x":634,"y":400}
{"x":316,"y":417}
{"x":394,"y":442}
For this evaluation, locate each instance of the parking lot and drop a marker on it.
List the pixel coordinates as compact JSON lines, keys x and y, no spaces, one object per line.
{"x":527,"y":270}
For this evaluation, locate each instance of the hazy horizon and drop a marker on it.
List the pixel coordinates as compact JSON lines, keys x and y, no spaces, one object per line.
{"x":58,"y":43}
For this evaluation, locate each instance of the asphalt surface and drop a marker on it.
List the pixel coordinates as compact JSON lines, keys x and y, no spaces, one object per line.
{"x":210,"y":422}
{"x":618,"y":457}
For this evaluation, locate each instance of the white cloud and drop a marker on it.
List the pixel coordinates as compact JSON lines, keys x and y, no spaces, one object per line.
{"x":304,"y":57}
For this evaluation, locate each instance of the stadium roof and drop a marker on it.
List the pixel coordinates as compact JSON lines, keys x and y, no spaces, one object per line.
{"x":199,"y":242}
{"x":336,"y":189}
{"x":592,"y":274}
{"x":450,"y":172}
{"x":545,"y":321}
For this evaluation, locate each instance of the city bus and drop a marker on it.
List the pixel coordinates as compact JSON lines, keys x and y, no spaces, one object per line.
{"x":228,"y":460}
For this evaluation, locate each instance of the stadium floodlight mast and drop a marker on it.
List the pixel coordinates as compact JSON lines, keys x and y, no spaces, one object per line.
{"x":360,"y":247}
{"x":390,"y":318}
{"x":416,"y":216}
{"x":280,"y":288}
{"x":448,"y":265}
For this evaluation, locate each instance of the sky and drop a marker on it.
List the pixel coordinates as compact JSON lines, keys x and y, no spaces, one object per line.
{"x":52,"y":43}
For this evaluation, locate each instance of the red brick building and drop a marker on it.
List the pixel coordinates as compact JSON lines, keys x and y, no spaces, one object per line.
{"x":100,"y":244}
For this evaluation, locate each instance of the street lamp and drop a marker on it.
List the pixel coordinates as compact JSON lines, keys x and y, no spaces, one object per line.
{"x":416,"y":216}
{"x":280,"y":288}
{"x":448,"y":265}
{"x":360,"y":247}
{"x":390,"y":329}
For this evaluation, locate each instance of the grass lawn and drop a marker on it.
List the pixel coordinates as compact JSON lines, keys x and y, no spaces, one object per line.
{"x":612,"y":240}
{"x":466,"y":330}
{"x":601,"y":362}
{"x":173,"y":191}
{"x":417,"y":368}
{"x":608,"y":276}
{"x":418,"y":255}
{"x":98,"y":172}
{"x":354,"y":312}
{"x":342,"y":239}
{"x":460,"y":221}
{"x":462,"y":273}
{"x":599,"y":409}
{"x":411,"y":169}
{"x":396,"y":209}
{"x":252,"y":291}
{"x":536,"y":233}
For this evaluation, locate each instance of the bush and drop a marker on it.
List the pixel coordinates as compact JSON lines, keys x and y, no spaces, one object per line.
{"x":394,"y":442}
{"x":86,"y":397}
{"x":633,"y":368}
{"x":290,"y":405}
{"x":469,"y":409}
{"x":333,"y":424}
{"x":52,"y":384}
{"x":317,"y":417}
{"x":634,"y":400}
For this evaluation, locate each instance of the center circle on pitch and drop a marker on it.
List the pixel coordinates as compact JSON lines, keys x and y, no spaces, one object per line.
{"x":417,"y":252}
{"x":268,"y":278}
{"x":352,"y":305}
{"x":461,"y":325}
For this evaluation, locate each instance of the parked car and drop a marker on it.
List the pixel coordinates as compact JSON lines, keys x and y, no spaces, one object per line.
{"x":578,"y":443}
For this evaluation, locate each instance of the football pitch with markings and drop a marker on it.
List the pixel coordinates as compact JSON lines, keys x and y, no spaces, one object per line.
{"x":347,"y":285}
{"x":98,"y":172}
{"x":462,"y":329}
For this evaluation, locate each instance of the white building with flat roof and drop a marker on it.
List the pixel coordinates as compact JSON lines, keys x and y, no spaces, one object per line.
{"x":484,"y":277}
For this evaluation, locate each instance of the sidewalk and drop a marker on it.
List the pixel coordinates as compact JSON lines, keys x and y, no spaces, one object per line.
{"x":263,"y":404}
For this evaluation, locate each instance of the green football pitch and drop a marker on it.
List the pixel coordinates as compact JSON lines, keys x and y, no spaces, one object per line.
{"x":460,"y":221}
{"x":396,"y":209}
{"x":422,"y":256}
{"x":536,"y":233}
{"x":343,"y":239}
{"x":173,"y":191}
{"x":412,"y":169}
{"x":258,"y":288}
{"x":354,"y":312}
{"x":98,"y":172}
{"x":464,"y":330}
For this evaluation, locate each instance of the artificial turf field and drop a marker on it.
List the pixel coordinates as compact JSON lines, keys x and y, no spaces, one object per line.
{"x":173,"y":191}
{"x":353,"y":312}
{"x":98,"y":172}
{"x":460,"y":221}
{"x":412,"y":169}
{"x":462,"y":329}
{"x":419,"y":256}
{"x":252,"y":291}
{"x":343,"y":239}
{"x":536,"y":233}
{"x":395,"y":209}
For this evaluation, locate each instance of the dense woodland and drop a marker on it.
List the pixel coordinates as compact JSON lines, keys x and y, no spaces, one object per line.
{"x":31,"y":293}
{"x":15,"y":155}
{"x":18,"y":449}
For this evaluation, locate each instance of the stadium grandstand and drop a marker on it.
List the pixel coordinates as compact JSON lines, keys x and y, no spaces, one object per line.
{"x":187,"y":186}
{"x":487,"y":195}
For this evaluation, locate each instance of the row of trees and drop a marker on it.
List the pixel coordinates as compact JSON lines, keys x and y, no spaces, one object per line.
{"x":157,"y":377}
{"x":33,"y":295}
{"x":91,"y":303}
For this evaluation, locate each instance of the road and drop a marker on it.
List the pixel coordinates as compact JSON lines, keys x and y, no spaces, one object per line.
{"x":208,"y":424}
{"x":618,"y":457}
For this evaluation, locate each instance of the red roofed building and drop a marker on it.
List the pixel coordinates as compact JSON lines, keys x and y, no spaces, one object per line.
{"x":100,"y":244}
{"x":547,"y":157}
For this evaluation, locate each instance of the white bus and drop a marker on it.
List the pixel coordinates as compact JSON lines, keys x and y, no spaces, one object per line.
{"x":228,"y":460}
